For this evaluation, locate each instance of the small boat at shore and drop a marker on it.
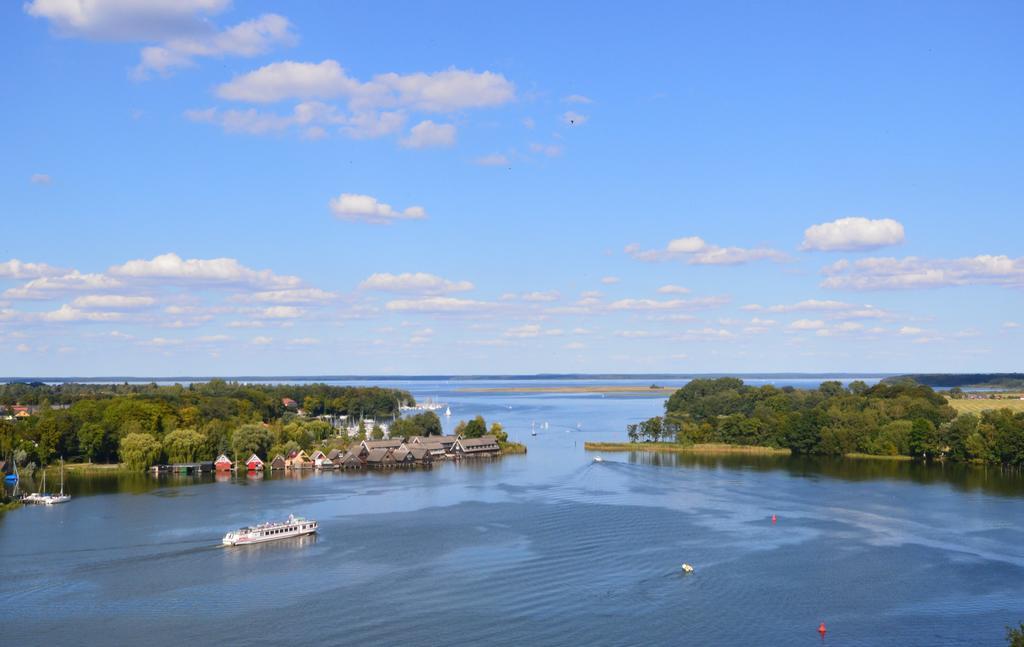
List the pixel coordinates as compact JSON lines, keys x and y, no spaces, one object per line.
{"x":271,"y":531}
{"x":598,"y":459}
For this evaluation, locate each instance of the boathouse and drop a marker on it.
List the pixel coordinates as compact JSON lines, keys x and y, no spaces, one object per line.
{"x":298,"y":460}
{"x":349,"y":461}
{"x":482,"y":446}
{"x":254,"y":464}
{"x":403,"y":457}
{"x":223,"y":463}
{"x":367,"y":446}
{"x":277,"y":463}
{"x":446,"y":442}
{"x":421,"y":454}
{"x":380,"y":458}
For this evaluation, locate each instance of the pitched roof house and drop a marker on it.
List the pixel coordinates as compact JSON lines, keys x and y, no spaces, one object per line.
{"x":277,"y":463}
{"x":349,"y":461}
{"x":421,"y":454}
{"x":482,"y":446}
{"x":223,"y":463}
{"x":367,"y":446}
{"x":298,"y":460}
{"x":380,"y":458}
{"x":254,"y":464}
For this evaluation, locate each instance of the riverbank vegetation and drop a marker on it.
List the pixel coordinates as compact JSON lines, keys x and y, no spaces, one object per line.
{"x":139,"y":424}
{"x":888,"y":419}
{"x":694,"y":448}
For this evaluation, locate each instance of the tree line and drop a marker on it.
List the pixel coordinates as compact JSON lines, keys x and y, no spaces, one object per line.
{"x":899,"y":418}
{"x":141,"y":422}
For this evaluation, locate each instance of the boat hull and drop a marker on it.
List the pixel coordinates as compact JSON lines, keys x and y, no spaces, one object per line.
{"x":266,"y":535}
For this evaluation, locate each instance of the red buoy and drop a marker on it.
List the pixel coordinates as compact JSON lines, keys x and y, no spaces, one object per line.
{"x":821,"y":629}
{"x":773,"y":519}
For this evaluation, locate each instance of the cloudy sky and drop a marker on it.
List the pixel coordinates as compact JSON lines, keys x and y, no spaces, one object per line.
{"x":207,"y":187}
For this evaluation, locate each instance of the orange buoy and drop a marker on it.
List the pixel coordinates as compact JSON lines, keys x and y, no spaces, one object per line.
{"x":773,"y":519}
{"x":821,"y":629}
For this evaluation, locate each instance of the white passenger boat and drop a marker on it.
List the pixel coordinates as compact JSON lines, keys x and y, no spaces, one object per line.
{"x":271,"y":531}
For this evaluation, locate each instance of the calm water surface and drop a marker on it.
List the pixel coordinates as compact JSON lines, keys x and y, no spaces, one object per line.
{"x":544,"y":549}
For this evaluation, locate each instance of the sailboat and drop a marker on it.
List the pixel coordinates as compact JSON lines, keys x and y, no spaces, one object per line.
{"x":13,"y":476}
{"x":58,"y":498}
{"x":448,"y":411}
{"x":533,"y":428}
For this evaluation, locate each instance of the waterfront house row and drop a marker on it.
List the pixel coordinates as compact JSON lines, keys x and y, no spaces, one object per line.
{"x":376,"y":454}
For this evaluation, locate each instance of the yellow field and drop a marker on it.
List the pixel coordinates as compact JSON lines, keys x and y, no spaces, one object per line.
{"x":977,"y":406}
{"x":699,"y":448}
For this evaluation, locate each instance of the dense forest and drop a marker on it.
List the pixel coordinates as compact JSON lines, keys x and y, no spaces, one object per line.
{"x":143,"y":423}
{"x":899,"y":418}
{"x":976,"y":380}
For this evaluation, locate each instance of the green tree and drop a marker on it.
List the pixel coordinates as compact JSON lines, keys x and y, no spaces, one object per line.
{"x":139,"y":451}
{"x":183,"y":445}
{"x":498,"y":431}
{"x":475,"y":428}
{"x":250,"y":439}
{"x":1015,"y":636}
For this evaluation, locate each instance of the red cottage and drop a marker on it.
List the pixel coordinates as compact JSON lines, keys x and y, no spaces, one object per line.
{"x":254,"y":464}
{"x":223,"y":463}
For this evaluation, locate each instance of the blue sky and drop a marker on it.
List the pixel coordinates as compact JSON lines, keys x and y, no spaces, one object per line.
{"x":201,"y":187}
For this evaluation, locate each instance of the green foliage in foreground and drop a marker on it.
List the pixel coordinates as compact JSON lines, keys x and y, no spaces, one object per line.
{"x":888,"y":419}
{"x":1015,"y":637}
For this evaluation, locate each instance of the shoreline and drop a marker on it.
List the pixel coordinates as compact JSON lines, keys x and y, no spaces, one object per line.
{"x":676,"y":448}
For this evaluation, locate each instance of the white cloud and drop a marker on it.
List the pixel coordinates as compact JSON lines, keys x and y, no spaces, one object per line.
{"x":910,"y":330}
{"x":609,"y":280}
{"x":540,"y":297}
{"x":280,"y":312}
{"x":438,"y":304}
{"x":67,"y":314}
{"x":162,"y":341}
{"x":673,"y":289}
{"x":807,"y":324}
{"x":112,"y":301}
{"x":126,"y":20}
{"x":1011,"y":325}
{"x":577,"y":98}
{"x":575,"y":345}
{"x":15,"y":269}
{"x":246,"y":39}
{"x":523,"y":332}
{"x":494,"y":159}
{"x":47,"y":287}
{"x":215,"y":270}
{"x":912,"y":272}
{"x":310,"y":116}
{"x":670,"y":304}
{"x":261,"y":341}
{"x":303,"y":341}
{"x":849,"y":234}
{"x":297,"y":295}
{"x":446,"y":91}
{"x":574,"y":118}
{"x":421,"y":282}
{"x":838,"y":309}
{"x":182,"y":28}
{"x":23,"y":348}
{"x":40,"y":178}
{"x":353,"y":207}
{"x":695,"y":251}
{"x":427,"y":134}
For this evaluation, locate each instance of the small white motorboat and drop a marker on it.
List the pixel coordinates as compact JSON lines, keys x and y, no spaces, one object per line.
{"x":687,"y":569}
{"x":598,"y":459}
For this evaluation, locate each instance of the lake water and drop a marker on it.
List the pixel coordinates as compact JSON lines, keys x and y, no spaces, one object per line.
{"x":544,"y":549}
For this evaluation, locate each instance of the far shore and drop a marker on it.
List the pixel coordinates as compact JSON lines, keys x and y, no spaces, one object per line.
{"x":699,"y":448}
{"x":720,"y":448}
{"x":629,"y":390}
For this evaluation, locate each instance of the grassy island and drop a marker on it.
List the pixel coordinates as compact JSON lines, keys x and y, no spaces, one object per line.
{"x":900,"y":420}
